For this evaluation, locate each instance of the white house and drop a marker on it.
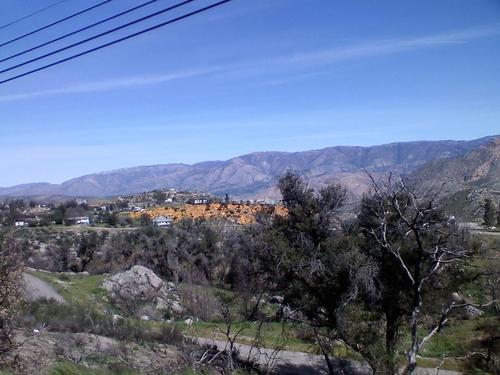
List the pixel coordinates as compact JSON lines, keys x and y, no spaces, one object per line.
{"x":200,"y":201}
{"x":82,"y":221}
{"x":162,"y":221}
{"x":21,"y":223}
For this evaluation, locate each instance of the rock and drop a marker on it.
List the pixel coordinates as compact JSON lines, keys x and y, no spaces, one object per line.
{"x":161,"y":304}
{"x":176,"y":307}
{"x":276,"y":299}
{"x":141,"y":292}
{"x":472,"y":312}
{"x":145,"y":317}
{"x":189,"y":322}
{"x":138,"y":282}
{"x":457,"y":298}
{"x":116,"y":318}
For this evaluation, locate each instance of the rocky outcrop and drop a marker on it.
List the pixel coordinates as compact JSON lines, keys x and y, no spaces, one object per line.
{"x":141,"y":292}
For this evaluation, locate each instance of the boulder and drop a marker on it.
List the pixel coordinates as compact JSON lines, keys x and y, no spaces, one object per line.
{"x":140,"y":289}
{"x":137,"y":283}
{"x":472,"y":312}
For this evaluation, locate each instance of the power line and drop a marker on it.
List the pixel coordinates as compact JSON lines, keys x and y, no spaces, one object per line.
{"x":96,"y":36}
{"x":78,"y":31}
{"x":187,"y":15}
{"x":55,"y":23}
{"x":32,"y":14}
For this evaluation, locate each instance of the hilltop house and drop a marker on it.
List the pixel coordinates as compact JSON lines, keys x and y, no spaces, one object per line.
{"x":162,"y":221}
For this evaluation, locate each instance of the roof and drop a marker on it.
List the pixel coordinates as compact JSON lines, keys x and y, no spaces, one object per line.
{"x":161,"y":218}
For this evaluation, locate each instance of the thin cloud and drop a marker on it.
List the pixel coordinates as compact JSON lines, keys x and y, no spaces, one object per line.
{"x":326,"y":57}
{"x":113,"y":84}
{"x":390,"y":46}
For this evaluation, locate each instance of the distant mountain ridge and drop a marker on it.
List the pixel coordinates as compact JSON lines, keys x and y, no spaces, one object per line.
{"x":254,"y":175}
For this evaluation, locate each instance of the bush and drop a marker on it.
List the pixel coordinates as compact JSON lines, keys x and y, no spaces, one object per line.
{"x":11,"y":293}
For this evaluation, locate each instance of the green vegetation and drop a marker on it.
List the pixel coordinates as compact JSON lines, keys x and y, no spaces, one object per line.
{"x":77,"y":288}
{"x":70,"y":368}
{"x":309,"y":280}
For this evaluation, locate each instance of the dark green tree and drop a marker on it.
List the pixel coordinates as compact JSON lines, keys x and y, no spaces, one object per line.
{"x":159,"y":196}
{"x":59,"y":213}
{"x":489,"y":212}
{"x":311,"y":260}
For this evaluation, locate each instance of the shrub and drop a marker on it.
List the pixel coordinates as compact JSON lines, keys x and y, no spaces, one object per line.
{"x":11,"y":293}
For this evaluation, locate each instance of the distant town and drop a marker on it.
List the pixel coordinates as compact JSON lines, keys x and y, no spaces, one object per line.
{"x":160,"y":208}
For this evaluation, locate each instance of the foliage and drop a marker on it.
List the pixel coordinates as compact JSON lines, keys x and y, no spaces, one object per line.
{"x":11,"y":293}
{"x":310,"y":257}
{"x":489,"y":216}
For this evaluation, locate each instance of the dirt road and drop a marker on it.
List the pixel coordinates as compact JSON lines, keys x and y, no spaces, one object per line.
{"x":298,"y":363}
{"x":37,"y":289}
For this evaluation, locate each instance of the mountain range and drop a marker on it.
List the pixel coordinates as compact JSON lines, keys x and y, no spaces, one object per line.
{"x":254,"y":175}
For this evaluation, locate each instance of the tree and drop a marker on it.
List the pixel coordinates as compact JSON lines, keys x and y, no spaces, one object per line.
{"x":420,"y":256}
{"x":145,"y":220}
{"x":489,"y":212}
{"x":309,"y":257}
{"x":59,"y":213}
{"x":159,"y":196}
{"x":87,"y":249}
{"x":11,"y":293}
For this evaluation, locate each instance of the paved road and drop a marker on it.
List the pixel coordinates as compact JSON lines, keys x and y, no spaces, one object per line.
{"x":37,"y":289}
{"x":298,"y":363}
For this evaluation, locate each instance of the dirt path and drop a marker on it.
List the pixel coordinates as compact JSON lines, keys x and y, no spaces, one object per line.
{"x":298,"y":363}
{"x":37,"y":289}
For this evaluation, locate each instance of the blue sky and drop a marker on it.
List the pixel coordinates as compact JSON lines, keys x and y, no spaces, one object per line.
{"x":253,"y":75}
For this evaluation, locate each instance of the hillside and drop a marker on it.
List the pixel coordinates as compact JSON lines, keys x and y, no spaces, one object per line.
{"x":237,"y":213}
{"x":254,"y":175}
{"x":465,"y":181}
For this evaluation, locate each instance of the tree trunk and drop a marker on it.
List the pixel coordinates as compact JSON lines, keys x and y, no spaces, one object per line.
{"x":391,"y":338}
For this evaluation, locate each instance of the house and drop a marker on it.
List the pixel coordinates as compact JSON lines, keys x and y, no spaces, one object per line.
{"x":21,"y":223}
{"x":162,"y":221}
{"x":200,"y":201}
{"x":83,"y":221}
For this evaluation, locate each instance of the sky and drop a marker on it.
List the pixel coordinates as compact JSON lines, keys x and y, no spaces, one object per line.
{"x":251,"y":75}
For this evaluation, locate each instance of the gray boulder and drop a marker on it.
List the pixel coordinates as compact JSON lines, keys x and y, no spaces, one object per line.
{"x":140,"y":289}
{"x":472,"y":312}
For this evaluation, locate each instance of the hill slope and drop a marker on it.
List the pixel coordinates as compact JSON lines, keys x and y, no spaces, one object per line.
{"x":465,"y":181}
{"x":254,"y":175}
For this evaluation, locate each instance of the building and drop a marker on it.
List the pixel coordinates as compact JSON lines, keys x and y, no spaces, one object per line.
{"x":200,"y":201}
{"x":21,"y":223}
{"x":82,"y":220}
{"x":162,"y":221}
